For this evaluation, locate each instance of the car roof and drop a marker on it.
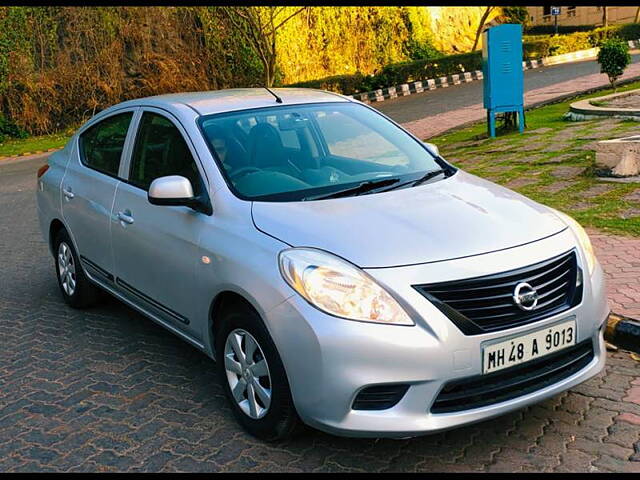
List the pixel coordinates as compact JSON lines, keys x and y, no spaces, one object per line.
{"x":219,"y":101}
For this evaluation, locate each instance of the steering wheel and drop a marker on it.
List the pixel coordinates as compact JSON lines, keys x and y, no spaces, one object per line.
{"x":241,"y":172}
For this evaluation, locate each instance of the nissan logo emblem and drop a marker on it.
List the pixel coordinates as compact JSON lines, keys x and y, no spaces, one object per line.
{"x":525,"y":296}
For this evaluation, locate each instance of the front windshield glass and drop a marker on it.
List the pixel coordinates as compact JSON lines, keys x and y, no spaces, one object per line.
{"x":298,"y":152}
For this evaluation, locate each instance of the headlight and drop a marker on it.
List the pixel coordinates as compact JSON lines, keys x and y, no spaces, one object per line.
{"x":339,"y":288}
{"x":583,"y":239}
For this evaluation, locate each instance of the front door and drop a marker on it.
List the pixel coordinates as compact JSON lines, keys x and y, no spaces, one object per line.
{"x":156,"y":247}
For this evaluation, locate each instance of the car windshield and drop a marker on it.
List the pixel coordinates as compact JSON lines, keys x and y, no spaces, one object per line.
{"x":305,"y":152}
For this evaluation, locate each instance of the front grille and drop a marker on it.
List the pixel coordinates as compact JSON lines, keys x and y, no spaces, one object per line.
{"x":379,"y":397}
{"x":513,"y":382}
{"x":485,"y":304}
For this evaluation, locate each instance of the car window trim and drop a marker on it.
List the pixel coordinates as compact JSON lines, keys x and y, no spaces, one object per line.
{"x":129,"y":143}
{"x":172,"y":118}
{"x":95,"y":122}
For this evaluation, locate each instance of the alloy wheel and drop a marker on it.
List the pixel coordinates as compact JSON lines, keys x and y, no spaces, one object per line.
{"x":248,"y":373}
{"x":66,"y":269}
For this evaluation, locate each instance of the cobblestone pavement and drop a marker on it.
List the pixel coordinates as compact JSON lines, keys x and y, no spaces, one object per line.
{"x":620,"y":259}
{"x":108,"y":390}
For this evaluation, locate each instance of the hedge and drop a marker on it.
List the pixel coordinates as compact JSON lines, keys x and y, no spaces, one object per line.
{"x":533,"y":47}
{"x":568,"y":29}
{"x":346,"y":84}
{"x":419,"y":70}
{"x":398,"y":73}
{"x":537,"y":46}
{"x":545,"y":46}
{"x":562,"y":29}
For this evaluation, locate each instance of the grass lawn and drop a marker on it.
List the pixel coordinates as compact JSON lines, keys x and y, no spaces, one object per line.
{"x":553,"y":163}
{"x":18,"y":146}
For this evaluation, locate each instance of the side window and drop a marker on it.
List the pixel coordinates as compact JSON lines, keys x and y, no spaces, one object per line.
{"x":101,"y":145}
{"x":160,"y":150}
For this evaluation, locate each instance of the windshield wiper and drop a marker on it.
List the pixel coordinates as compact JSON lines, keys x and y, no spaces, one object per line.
{"x":363,"y":187}
{"x":427,"y":176}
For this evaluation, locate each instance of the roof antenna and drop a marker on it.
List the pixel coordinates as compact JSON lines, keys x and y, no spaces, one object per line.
{"x":278,"y":99}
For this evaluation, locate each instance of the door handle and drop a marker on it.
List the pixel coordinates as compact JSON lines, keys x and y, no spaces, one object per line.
{"x":125,"y":217}
{"x":68,"y":193}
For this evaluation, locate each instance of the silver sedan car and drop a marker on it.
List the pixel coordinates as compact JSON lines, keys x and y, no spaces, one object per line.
{"x":341,"y":273}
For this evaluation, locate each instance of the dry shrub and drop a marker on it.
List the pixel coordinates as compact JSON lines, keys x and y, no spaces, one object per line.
{"x":92,"y":58}
{"x":60,"y":65}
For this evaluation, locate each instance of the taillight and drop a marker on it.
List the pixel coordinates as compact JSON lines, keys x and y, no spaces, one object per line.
{"x":42,"y":169}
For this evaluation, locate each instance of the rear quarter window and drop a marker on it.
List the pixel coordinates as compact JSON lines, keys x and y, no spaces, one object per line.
{"x":101,"y":145}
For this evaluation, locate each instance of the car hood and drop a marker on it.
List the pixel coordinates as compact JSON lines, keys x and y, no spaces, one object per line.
{"x":460,"y":216}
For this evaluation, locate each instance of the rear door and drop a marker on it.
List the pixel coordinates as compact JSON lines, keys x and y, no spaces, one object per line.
{"x":88,"y":190}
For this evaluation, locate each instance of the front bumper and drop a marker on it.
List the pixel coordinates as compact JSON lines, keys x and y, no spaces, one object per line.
{"x":329,"y":360}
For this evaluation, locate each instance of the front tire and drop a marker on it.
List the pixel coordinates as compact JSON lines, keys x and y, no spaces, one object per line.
{"x":253,"y":377}
{"x":77,"y":290}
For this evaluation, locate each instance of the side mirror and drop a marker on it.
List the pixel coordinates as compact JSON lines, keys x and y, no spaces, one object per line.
{"x":174,"y":190}
{"x":433,"y":149}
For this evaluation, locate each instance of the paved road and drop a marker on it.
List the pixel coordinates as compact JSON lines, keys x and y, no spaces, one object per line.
{"x":108,"y":390}
{"x":421,"y":105}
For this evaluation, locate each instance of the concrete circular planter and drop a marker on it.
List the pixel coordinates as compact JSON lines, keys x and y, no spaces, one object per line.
{"x":619,"y":157}
{"x":585,"y":110}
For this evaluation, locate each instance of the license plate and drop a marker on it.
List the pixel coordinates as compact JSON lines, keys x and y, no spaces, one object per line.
{"x":527,"y":347}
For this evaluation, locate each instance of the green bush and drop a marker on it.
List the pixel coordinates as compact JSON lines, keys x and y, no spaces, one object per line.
{"x":404,"y":72}
{"x":10,"y":129}
{"x":398,"y":73}
{"x":338,"y":83}
{"x":627,"y":31}
{"x":517,"y":14}
{"x":562,"y":29}
{"x":613,"y":58}
{"x":421,"y":51}
{"x":538,"y":46}
{"x":546,"y":45}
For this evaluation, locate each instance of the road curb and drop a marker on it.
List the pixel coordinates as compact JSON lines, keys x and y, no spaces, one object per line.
{"x":623,"y":332}
{"x":26,"y":154}
{"x":420,"y":86}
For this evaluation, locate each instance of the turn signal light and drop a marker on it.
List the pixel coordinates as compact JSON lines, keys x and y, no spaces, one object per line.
{"x":42,"y":169}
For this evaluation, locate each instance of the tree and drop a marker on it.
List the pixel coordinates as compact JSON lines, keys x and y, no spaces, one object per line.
{"x":605,"y":16}
{"x":637,"y":19}
{"x":259,"y":26}
{"x":483,"y":20}
{"x":517,"y":14}
{"x":613,"y":58}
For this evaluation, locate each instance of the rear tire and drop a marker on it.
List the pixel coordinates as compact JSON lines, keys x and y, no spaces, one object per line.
{"x":77,"y":290}
{"x":256,"y":374}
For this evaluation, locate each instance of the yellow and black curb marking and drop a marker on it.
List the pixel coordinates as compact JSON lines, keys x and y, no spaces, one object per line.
{"x":623,"y":332}
{"x":24,"y":154}
{"x":410,"y":88}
